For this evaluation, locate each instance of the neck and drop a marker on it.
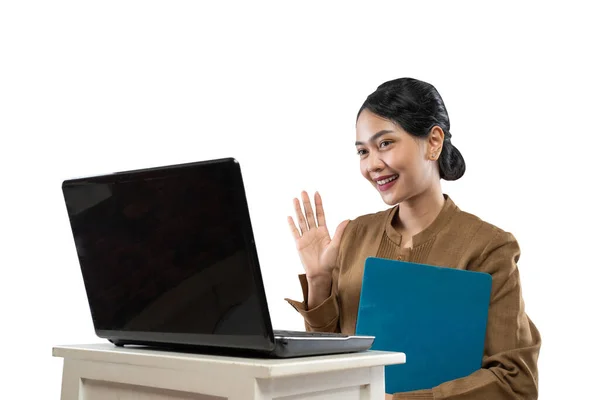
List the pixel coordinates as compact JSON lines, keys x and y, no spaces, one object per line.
{"x":418,"y":212}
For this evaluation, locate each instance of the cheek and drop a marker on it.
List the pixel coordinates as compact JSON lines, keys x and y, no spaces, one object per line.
{"x":363,"y":169}
{"x":408,"y":166}
{"x":420,"y":173}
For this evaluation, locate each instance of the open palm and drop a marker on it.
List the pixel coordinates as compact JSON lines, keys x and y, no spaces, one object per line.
{"x":317,"y":250}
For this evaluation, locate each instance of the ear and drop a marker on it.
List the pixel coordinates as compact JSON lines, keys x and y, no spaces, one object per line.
{"x":435,"y":142}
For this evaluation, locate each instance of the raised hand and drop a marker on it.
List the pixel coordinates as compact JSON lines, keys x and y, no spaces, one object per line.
{"x":317,"y":250}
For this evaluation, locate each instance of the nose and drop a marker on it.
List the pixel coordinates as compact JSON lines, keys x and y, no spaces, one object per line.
{"x":374,"y":164}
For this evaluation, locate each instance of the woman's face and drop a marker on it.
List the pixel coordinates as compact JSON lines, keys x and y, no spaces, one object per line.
{"x":396,"y":163}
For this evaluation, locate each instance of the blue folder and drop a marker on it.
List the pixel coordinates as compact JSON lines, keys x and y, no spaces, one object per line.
{"x":437,"y":316}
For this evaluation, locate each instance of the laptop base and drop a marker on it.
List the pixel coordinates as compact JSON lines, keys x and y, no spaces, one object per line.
{"x":285,"y":346}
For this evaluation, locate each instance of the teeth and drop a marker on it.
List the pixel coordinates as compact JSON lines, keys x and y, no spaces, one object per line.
{"x":388,"y":180}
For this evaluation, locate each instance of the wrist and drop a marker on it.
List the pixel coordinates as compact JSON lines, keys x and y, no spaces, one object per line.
{"x":319,"y":281}
{"x":319,"y":289}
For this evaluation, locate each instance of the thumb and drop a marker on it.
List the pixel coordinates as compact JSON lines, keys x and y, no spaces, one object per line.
{"x":339,"y":232}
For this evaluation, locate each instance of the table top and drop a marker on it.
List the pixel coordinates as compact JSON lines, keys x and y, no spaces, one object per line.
{"x":257,"y":367}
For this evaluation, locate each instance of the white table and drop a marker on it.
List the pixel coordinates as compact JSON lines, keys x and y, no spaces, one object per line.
{"x":104,"y":371}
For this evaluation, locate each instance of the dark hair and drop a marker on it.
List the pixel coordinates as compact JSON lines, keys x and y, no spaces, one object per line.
{"x":417,"y":107}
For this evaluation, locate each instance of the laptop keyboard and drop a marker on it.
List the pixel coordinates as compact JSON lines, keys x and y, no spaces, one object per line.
{"x":300,"y":334}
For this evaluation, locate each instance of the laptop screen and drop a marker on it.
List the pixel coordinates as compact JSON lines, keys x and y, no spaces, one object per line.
{"x":166,"y":250}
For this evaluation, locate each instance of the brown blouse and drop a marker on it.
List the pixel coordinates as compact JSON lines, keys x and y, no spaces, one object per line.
{"x":455,"y":239}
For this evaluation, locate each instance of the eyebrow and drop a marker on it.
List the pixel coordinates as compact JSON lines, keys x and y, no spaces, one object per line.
{"x":374,"y":137}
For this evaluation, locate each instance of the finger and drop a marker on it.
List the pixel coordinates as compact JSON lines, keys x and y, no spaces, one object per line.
{"x":295,"y":231}
{"x":300,"y":216}
{"x":310,"y":216}
{"x":339,"y":232}
{"x":319,"y":210}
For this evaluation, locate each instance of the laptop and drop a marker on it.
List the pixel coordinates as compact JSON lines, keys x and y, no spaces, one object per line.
{"x":168,"y":260}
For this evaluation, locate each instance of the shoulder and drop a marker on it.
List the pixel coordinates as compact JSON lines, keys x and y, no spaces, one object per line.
{"x":372,"y":223}
{"x":492,"y":246}
{"x":494,"y":233}
{"x":484,"y":228}
{"x":363,"y":234}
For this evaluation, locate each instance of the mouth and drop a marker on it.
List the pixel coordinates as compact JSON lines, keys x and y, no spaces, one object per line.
{"x":386,"y":182}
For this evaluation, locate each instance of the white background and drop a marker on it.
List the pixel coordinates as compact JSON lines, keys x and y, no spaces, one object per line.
{"x":94,"y":87}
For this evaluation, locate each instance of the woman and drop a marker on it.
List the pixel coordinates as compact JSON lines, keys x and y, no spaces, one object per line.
{"x":403,"y":142}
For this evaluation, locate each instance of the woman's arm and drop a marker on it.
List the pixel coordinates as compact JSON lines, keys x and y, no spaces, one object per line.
{"x":325,"y":316}
{"x":509,"y":368}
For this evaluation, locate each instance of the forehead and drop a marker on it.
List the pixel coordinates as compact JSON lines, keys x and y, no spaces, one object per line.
{"x":369,"y":124}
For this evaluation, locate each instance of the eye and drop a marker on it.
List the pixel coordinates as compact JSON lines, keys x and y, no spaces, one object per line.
{"x":361,"y":152}
{"x":385,"y":143}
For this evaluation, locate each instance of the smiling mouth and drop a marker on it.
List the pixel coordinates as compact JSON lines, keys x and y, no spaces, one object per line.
{"x":387,"y":180}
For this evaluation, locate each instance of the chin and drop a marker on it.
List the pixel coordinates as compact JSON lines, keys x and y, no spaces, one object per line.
{"x":391,"y":199}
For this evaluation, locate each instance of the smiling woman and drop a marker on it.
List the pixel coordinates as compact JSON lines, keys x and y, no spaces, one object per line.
{"x":412,"y":140}
{"x":403,"y":142}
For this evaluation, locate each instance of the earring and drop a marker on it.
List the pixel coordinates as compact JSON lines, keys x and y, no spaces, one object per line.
{"x":433,"y":156}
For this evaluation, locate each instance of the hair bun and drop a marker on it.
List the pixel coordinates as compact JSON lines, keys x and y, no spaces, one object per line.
{"x":451,"y":162}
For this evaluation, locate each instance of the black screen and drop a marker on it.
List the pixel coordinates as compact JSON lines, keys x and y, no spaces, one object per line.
{"x":167,"y":250}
